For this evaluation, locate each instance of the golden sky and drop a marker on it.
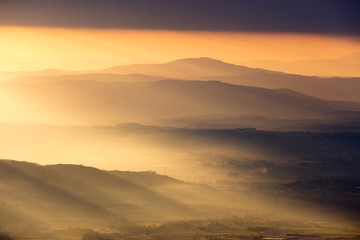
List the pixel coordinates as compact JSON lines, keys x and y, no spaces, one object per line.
{"x":31,"y":48}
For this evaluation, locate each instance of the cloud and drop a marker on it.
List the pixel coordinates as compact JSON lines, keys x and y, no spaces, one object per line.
{"x":305,"y":16}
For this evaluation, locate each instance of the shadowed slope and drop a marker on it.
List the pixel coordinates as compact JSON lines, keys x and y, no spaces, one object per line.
{"x":347,"y":65}
{"x":334,"y":88}
{"x":80,"y":196}
{"x":112,"y":102}
{"x":102,"y":77}
{"x":189,"y":68}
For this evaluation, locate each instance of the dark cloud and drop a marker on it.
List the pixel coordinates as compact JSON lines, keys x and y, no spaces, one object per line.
{"x":308,"y":16}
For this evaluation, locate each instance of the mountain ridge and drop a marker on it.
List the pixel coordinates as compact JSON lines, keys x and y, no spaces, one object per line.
{"x":100,"y":102}
{"x":343,"y":66}
{"x":333,"y":88}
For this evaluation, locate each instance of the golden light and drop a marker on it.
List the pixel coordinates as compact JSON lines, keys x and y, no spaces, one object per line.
{"x":40,"y":48}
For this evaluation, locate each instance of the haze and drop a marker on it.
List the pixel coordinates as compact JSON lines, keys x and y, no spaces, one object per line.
{"x":207,"y":119}
{"x":84,"y":49}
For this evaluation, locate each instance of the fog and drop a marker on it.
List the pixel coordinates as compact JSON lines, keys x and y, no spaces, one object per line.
{"x":143,"y":158}
{"x":242,"y":165}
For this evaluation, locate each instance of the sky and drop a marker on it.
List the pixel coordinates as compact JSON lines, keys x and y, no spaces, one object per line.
{"x":38,"y":34}
{"x":305,"y":16}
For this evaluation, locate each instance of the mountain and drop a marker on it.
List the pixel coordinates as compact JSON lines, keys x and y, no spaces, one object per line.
{"x":103,"y":77}
{"x":105,"y":102}
{"x":189,"y":68}
{"x":6,"y":76}
{"x":335,"y":88}
{"x":330,"y":88}
{"x":347,"y":66}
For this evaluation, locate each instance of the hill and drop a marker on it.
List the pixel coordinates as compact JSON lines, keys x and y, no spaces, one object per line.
{"x":347,"y":66}
{"x":74,"y":195}
{"x":189,"y":68}
{"x":103,"y":77}
{"x":331,"y":88}
{"x":112,"y":102}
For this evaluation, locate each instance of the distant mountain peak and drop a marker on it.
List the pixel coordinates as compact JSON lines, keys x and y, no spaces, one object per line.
{"x":351,"y":57}
{"x":204,"y":60}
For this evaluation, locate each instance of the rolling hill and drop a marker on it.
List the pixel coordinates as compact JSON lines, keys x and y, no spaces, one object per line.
{"x":189,"y":68}
{"x":331,"y":88}
{"x":74,"y":195}
{"x":112,"y":102}
{"x":103,"y":77}
{"x":347,"y":66}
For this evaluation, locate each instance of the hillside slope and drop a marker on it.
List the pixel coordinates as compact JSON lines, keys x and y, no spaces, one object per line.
{"x":331,"y":88}
{"x":112,"y":102}
{"x":74,"y":195}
